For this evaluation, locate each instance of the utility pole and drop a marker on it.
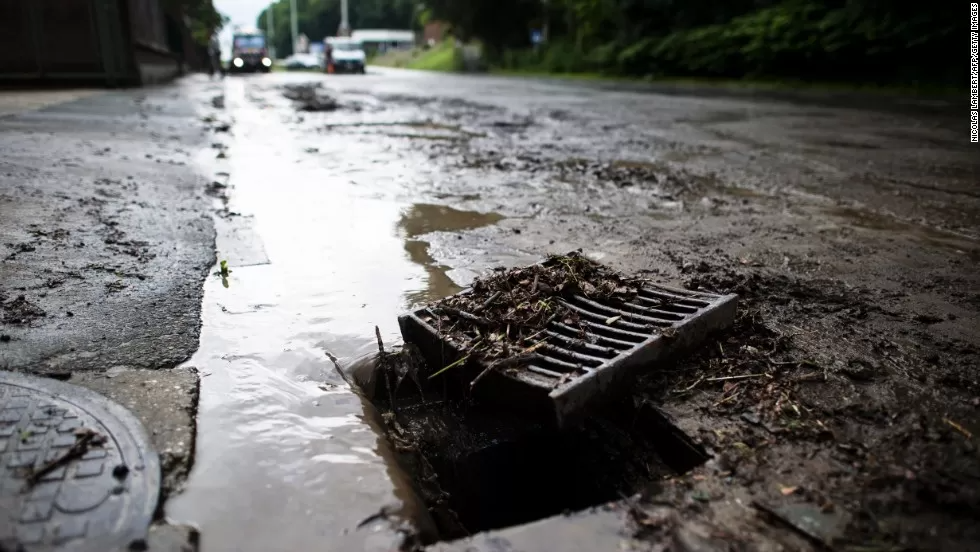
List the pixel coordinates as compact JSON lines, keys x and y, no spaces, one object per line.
{"x":344,"y":29}
{"x":270,"y":30}
{"x":293,"y":22}
{"x":547,"y":18}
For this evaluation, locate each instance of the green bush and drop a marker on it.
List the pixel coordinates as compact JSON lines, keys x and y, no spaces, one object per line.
{"x":441,"y":57}
{"x":561,"y":57}
{"x":847,"y":41}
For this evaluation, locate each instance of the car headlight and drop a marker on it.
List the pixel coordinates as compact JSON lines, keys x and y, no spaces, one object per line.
{"x":267,"y":62}
{"x":238,"y":62}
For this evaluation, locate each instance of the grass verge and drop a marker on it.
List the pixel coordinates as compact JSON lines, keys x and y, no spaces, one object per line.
{"x":747,"y":84}
{"x":441,"y":57}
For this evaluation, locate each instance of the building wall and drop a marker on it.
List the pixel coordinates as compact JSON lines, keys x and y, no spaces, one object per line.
{"x":97,"y":41}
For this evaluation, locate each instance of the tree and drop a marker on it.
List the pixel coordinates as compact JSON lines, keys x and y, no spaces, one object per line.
{"x":204,"y":19}
{"x":318,"y":19}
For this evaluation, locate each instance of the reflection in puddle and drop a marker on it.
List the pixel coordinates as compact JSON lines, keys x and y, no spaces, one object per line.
{"x":421,"y":219}
{"x":439,"y":283}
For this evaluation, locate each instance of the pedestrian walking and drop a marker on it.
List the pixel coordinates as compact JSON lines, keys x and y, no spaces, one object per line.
{"x":214,"y":57}
{"x":328,"y":57}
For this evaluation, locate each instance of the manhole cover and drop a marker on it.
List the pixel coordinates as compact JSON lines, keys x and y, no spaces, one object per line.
{"x":595,"y":361}
{"x":76,"y":470}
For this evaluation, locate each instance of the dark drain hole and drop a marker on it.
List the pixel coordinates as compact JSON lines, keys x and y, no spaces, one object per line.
{"x":479,"y":470}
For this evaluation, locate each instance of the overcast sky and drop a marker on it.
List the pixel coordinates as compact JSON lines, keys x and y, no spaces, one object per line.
{"x":241,"y":12}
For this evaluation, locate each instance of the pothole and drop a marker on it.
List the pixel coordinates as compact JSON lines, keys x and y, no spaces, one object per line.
{"x":480,"y":470}
{"x":524,"y":411}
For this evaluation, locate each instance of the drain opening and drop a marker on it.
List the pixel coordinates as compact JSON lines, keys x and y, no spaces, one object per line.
{"x":549,"y":426}
{"x":479,"y":470}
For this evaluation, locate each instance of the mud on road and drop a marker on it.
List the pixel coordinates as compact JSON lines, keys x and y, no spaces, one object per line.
{"x":847,"y":393}
{"x":841,"y":408}
{"x":106,"y":242}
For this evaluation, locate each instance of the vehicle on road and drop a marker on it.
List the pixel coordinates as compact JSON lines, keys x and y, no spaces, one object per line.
{"x":249,"y":52}
{"x":347,"y":55}
{"x":300,"y":62}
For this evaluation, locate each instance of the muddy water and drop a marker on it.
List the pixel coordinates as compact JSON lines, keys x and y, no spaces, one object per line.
{"x":287,"y":456}
{"x":423,"y":218}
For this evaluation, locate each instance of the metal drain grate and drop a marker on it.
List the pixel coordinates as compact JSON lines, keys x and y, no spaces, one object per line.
{"x":579,"y":367}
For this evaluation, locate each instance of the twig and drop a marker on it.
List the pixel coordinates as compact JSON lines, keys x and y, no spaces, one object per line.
{"x":544,"y":329}
{"x":693,"y":385}
{"x":383,"y":365}
{"x":958,"y":427}
{"x":76,"y":451}
{"x":733,"y":396}
{"x":383,"y":514}
{"x":486,"y":304}
{"x":736,"y":377}
{"x":381,"y":345}
{"x":453,"y":365}
{"x":464,"y":315}
{"x":504,"y":363}
{"x":460,"y":360}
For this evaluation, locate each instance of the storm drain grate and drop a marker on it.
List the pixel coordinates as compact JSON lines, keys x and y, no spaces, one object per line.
{"x":593,"y":361}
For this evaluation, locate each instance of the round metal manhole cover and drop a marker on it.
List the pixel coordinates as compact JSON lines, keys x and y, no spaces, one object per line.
{"x":76,"y":470}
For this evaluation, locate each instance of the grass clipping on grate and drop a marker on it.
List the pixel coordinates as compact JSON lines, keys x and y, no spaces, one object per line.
{"x":502,"y":318}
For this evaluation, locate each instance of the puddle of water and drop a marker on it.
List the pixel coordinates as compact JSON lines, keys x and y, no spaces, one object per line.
{"x":423,"y":218}
{"x":288,"y":458}
{"x":930,"y":236}
{"x":434,"y":137}
{"x":460,"y":197}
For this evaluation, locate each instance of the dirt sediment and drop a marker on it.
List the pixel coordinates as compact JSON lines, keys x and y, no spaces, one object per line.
{"x":845,"y":393}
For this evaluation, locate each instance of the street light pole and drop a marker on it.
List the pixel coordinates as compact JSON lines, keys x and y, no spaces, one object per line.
{"x":547,"y":19}
{"x":270,"y":30}
{"x":344,"y":21}
{"x":293,"y":22}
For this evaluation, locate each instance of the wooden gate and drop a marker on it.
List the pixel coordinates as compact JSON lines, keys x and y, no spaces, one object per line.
{"x":78,"y":39}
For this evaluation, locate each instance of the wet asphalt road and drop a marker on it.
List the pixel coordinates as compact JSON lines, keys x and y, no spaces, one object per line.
{"x":334,"y":222}
{"x":418,"y":182}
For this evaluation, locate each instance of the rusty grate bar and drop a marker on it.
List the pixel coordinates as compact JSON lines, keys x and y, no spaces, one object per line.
{"x":580,"y":367}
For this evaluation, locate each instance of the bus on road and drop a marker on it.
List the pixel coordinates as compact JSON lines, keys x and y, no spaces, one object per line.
{"x":249,"y":52}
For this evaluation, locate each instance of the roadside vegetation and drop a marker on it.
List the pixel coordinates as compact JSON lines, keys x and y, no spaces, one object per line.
{"x":857,"y":42}
{"x":852,"y":41}
{"x":441,"y":57}
{"x":201,"y":17}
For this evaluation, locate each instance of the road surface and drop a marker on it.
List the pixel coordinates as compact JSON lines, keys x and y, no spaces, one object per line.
{"x":849,"y":228}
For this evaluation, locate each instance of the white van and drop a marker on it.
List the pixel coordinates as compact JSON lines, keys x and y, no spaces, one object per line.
{"x":348,"y":54}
